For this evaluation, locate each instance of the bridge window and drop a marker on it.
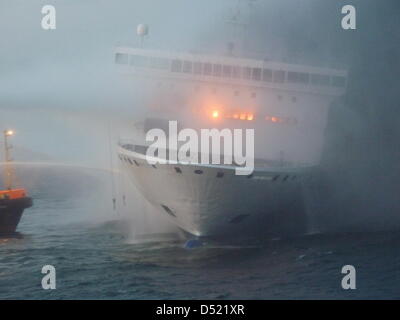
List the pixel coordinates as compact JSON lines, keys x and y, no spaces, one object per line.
{"x":187,"y":67}
{"x":217,"y":70}
{"x":207,"y":69}
{"x":121,"y":58}
{"x":320,"y":80}
{"x":338,"y":81}
{"x":140,"y":61}
{"x":159,"y":63}
{"x":267,"y":75}
{"x":246,"y":72}
{"x":132,"y":60}
{"x":226,"y":71}
{"x":256,"y":74}
{"x":176,"y":66}
{"x":197,"y":67}
{"x":279,"y":76}
{"x":236,"y":72}
{"x":298,"y":77}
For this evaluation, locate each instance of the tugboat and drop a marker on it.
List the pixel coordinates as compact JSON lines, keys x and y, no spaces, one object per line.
{"x":13,"y":201}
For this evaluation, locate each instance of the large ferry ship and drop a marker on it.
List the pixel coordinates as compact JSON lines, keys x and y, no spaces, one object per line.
{"x":287,"y":106}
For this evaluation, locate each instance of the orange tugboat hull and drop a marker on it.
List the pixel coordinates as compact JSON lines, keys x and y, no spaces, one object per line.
{"x":12,"y":206}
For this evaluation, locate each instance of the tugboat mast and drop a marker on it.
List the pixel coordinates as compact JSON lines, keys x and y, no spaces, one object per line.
{"x":8,"y":168}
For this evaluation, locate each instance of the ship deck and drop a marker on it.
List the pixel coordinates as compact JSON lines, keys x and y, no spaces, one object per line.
{"x":259,"y":164}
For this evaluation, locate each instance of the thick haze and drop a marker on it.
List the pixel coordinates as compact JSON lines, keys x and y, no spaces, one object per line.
{"x":59,"y":90}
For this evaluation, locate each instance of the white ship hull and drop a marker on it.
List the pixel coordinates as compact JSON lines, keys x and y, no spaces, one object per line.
{"x":210,"y":200}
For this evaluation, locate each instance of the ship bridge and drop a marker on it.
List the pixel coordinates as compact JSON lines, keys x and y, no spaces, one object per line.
{"x":231,"y":70}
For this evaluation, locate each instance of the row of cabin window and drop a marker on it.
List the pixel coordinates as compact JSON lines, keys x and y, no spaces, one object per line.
{"x":230,"y":71}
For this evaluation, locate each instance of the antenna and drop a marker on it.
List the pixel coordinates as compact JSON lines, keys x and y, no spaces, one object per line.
{"x":8,"y":169}
{"x":142,"y":30}
{"x":239,"y":23}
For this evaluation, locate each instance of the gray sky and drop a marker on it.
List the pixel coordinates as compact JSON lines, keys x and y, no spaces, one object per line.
{"x":51,"y":81}
{"x":57,"y":78}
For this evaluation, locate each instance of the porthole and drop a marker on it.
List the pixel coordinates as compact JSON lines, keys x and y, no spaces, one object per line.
{"x":198,"y":171}
{"x":275,"y":178}
{"x":285,"y":178}
{"x":178,"y":170}
{"x":220,"y":174}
